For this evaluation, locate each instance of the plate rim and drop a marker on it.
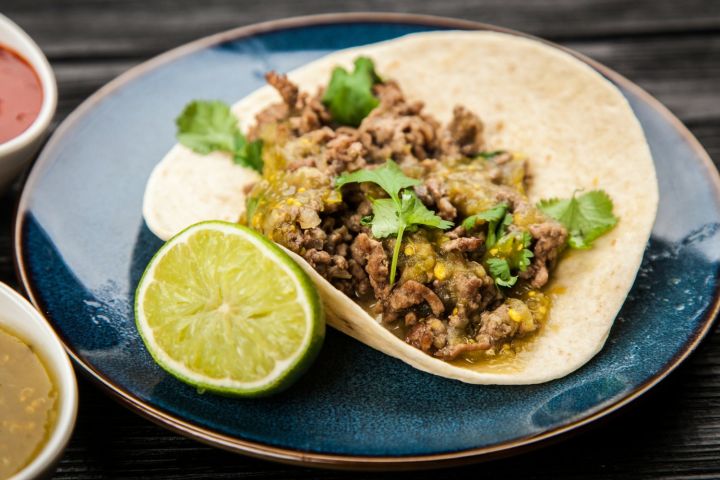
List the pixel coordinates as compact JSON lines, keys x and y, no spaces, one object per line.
{"x":346,"y":461}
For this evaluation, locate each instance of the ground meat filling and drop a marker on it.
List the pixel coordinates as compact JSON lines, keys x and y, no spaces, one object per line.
{"x":304,"y":113}
{"x":443,"y":302}
{"x":412,"y":293}
{"x":464,"y":244}
{"x":464,"y":133}
{"x":549,"y":238}
{"x":398,"y":129}
{"x":371,"y":255}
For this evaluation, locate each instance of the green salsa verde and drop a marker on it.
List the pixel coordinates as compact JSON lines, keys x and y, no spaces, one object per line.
{"x":28,"y":404}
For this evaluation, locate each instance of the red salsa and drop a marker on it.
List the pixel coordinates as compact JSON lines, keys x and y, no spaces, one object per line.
{"x":21,"y":94}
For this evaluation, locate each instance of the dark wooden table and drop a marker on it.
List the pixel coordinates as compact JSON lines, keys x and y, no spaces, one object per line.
{"x":669,"y":47}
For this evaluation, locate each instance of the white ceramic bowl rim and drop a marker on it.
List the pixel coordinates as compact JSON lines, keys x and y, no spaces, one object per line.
{"x":63,"y":376}
{"x":40,"y":64}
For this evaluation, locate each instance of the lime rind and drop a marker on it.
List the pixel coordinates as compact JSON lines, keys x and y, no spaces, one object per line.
{"x":285,"y":371}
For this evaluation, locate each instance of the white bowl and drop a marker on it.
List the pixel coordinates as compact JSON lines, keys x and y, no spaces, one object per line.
{"x":16,"y":153}
{"x":18,"y":316}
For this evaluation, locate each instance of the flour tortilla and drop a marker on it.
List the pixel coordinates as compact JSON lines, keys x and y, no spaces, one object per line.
{"x":186,"y":188}
{"x":578,"y":132}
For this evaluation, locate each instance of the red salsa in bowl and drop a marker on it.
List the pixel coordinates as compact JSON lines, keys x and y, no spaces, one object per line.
{"x":21,"y":94}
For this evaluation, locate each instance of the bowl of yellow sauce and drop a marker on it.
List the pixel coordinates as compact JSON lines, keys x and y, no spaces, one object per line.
{"x":38,"y":391}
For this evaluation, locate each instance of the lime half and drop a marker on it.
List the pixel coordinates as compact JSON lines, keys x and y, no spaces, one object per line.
{"x":224,"y":309}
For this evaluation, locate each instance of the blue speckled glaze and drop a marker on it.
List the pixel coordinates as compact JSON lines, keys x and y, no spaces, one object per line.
{"x":84,"y":247}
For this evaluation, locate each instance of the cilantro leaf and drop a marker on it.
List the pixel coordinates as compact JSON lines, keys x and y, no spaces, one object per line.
{"x":209,"y":126}
{"x":385,"y":220}
{"x":349,"y":96}
{"x":249,"y":154}
{"x":496,"y":231}
{"x":586,"y":216}
{"x":511,"y":253}
{"x":389,"y":177}
{"x":402,"y":211}
{"x":414,"y":212}
{"x":494,"y":214}
{"x":521,"y":260}
{"x":500,"y":272}
{"x":502,"y":227}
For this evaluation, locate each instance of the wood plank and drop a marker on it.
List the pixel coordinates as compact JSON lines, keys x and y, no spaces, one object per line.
{"x":671,"y":48}
{"x":86,"y":28}
{"x":682,"y":72}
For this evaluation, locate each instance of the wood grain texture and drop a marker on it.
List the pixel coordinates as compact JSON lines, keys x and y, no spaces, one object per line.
{"x":87,"y":28}
{"x":671,"y":48}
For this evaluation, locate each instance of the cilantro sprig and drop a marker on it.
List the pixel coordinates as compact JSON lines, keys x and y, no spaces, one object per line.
{"x":586,"y":216}
{"x":507,"y":251}
{"x":402,"y":212}
{"x":510,"y":253}
{"x":209,"y":126}
{"x":349,"y":96}
{"x":500,"y":272}
{"x":493,"y":216}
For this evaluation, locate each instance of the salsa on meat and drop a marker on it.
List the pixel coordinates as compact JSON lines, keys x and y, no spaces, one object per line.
{"x":467,"y":288}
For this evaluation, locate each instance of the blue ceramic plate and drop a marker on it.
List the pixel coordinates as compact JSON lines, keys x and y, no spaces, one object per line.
{"x":82,"y":246}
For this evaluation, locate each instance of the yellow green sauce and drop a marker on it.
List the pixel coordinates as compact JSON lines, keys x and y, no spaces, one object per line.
{"x":511,"y":357}
{"x":28,"y":404}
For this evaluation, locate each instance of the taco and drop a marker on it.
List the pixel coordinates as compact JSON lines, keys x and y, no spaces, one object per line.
{"x":475,"y":204}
